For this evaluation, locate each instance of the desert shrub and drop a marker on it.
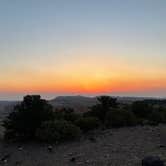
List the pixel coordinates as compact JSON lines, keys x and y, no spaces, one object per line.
{"x":142,"y":121}
{"x":70,"y":115}
{"x":58,"y":114}
{"x":120,"y":118}
{"x":105,"y":103}
{"x":162,"y":110}
{"x":156,"y":117}
{"x":88,"y":123}
{"x":141,"y":109}
{"x":57,"y":131}
{"x":67,"y":114}
{"x":27,"y":117}
{"x":96,"y":111}
{"x":47,"y":132}
{"x":131,"y":119}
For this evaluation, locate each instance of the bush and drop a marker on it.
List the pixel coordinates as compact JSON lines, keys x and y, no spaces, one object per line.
{"x":162,"y":110}
{"x":57,"y":131}
{"x":105,"y":103}
{"x":88,"y":123}
{"x":70,"y":115}
{"x":67,"y":114}
{"x":27,"y":117}
{"x":142,"y":121}
{"x":120,"y":118}
{"x":96,"y":112}
{"x":141,"y":109}
{"x":156,"y":117}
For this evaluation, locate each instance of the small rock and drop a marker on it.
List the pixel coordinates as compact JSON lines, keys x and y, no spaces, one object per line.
{"x":5,"y":158}
{"x":73,"y":159}
{"x":107,"y":156}
{"x":152,"y":161}
{"x":87,"y":161}
{"x":92,"y":139}
{"x":50,"y":148}
{"x":20,"y":148}
{"x":80,"y":163}
{"x":70,"y":154}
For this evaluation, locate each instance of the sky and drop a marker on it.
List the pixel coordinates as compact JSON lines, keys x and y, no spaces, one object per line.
{"x":82,"y":47}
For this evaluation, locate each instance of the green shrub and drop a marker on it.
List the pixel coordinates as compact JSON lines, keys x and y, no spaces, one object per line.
{"x":27,"y":117}
{"x":57,"y":131}
{"x":70,"y":115}
{"x":120,"y":118}
{"x":141,"y":109}
{"x":162,"y":110}
{"x":95,"y":112}
{"x":156,"y":117}
{"x":48,"y":132}
{"x":67,"y":114}
{"x":105,"y":103}
{"x":88,"y":123}
{"x":142,"y":121}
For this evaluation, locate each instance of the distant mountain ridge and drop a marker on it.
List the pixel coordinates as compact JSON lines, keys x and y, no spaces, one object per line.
{"x":78,"y":103}
{"x":82,"y":103}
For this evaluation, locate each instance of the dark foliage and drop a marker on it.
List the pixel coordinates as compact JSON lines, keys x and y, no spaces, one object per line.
{"x":156,"y":102}
{"x":157,"y":117}
{"x":88,"y":123}
{"x":96,"y":111}
{"x":107,"y":101}
{"x":99,"y":110}
{"x":57,"y":131}
{"x":27,"y":117}
{"x":34,"y":118}
{"x":120,"y":118}
{"x":67,"y":114}
{"x":141,"y":109}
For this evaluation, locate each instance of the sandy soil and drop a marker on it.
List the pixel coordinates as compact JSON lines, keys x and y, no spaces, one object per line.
{"x":114,"y":147}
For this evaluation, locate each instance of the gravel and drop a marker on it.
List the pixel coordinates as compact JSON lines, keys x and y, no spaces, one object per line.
{"x":113,"y":147}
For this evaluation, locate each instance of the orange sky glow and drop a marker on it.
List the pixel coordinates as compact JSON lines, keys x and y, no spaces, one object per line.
{"x":82,"y":47}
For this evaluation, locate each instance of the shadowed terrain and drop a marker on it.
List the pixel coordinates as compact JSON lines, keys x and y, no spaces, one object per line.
{"x":116,"y":147}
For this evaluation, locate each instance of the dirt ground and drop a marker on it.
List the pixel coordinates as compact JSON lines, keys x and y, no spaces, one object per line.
{"x":114,"y":147}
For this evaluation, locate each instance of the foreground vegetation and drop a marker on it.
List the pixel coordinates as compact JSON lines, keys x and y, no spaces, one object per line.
{"x":35,"y":119}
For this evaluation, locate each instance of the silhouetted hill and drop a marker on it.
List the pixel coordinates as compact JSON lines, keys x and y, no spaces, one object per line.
{"x":79,"y":103}
{"x":82,"y":103}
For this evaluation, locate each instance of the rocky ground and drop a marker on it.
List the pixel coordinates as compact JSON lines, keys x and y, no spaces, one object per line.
{"x":114,"y":147}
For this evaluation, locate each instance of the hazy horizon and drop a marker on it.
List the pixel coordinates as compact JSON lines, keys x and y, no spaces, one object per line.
{"x":77,"y":47}
{"x":50,"y":96}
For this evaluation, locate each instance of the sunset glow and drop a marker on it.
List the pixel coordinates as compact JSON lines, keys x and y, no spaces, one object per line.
{"x":83,"y":47}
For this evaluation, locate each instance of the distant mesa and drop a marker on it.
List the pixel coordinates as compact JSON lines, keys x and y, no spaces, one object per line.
{"x":79,"y":103}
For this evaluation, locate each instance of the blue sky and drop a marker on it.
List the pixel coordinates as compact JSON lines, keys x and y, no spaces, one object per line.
{"x":68,"y":40}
